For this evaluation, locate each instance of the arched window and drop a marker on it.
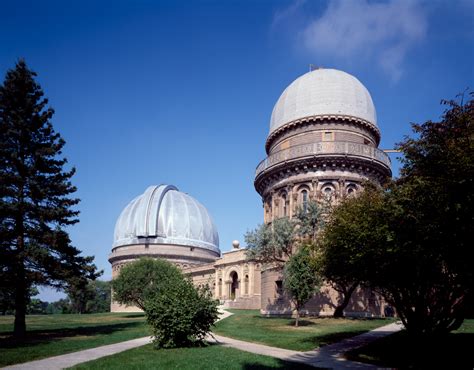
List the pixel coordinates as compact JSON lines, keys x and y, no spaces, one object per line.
{"x":328,"y":191}
{"x":304,"y":200}
{"x":351,"y":190}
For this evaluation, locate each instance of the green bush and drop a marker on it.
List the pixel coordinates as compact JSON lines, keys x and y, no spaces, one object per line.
{"x":181,"y":315}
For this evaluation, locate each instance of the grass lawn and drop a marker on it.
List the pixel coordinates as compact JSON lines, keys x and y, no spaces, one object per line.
{"x":210,"y":357}
{"x":248,"y":325}
{"x":401,"y":351}
{"x":51,"y":335}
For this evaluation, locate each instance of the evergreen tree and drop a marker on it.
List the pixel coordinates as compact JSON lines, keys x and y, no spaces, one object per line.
{"x":35,"y":202}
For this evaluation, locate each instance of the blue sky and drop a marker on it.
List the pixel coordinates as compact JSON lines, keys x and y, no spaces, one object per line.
{"x":151,"y":92}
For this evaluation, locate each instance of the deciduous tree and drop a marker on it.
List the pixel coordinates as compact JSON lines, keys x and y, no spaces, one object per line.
{"x":91,"y":296}
{"x":310,"y":221}
{"x":300,"y":279}
{"x":339,"y":255}
{"x":412,"y":243}
{"x":142,"y":279}
{"x":273,"y":243}
{"x":433,"y":207}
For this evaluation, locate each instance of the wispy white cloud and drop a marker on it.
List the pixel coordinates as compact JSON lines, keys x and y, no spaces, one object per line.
{"x":283,"y":14}
{"x":375,"y":32}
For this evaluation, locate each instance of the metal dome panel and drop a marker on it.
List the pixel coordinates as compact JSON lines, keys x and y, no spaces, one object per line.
{"x":164,"y":215}
{"x":323,"y":92}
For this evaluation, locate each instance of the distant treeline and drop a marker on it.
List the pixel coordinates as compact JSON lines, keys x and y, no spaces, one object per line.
{"x":93,"y":298}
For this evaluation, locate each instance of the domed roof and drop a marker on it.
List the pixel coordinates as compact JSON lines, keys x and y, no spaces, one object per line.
{"x":164,"y":215}
{"x":323,"y":92}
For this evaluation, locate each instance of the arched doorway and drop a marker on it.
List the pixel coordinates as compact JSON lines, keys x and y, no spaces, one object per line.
{"x":234,"y":285}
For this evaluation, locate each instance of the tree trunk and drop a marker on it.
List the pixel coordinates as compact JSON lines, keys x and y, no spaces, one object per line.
{"x":297,"y":317}
{"x":339,"y":311}
{"x":19,"y":328}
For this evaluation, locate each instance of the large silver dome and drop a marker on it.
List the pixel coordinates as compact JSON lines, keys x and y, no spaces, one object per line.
{"x":164,"y":215}
{"x":323,"y":92}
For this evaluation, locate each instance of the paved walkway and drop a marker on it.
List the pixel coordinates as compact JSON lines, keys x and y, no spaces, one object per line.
{"x":223,"y":313}
{"x":330,"y":356}
{"x":71,"y":359}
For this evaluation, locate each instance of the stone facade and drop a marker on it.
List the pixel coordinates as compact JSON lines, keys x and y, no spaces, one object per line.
{"x":363,"y":303}
{"x":322,"y":158}
{"x":322,"y":146}
{"x":182,"y":256}
{"x":234,"y":279}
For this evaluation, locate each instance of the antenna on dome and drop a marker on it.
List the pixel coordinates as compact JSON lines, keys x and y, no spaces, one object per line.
{"x":313,"y":67}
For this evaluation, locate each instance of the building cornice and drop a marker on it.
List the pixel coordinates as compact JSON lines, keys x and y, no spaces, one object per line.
{"x":321,"y":119}
{"x":265,"y":180}
{"x":113,"y":258}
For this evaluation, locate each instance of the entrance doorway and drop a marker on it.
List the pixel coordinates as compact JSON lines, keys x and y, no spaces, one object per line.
{"x":234,"y":285}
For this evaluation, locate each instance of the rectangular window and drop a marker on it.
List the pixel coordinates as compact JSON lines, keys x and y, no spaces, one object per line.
{"x":279,"y":287}
{"x":328,"y":136}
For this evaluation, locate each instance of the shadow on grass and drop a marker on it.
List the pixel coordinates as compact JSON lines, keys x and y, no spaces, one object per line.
{"x":330,"y":338}
{"x":133,"y":315}
{"x":35,"y":337}
{"x":301,"y":323}
{"x":453,"y":351}
{"x":281,"y":365}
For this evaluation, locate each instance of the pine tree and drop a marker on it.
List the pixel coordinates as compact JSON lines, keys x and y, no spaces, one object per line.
{"x":35,"y":202}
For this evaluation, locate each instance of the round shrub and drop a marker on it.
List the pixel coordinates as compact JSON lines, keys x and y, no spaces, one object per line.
{"x":181,"y":315}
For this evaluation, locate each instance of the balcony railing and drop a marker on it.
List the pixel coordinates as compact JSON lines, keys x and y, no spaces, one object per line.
{"x":342,"y":148}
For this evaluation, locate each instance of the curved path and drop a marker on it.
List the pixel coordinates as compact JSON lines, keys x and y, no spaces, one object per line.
{"x":330,"y":356}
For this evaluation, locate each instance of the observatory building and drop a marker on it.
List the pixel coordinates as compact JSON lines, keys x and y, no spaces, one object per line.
{"x":322,"y":143}
{"x":166,"y":223}
{"x":322,"y":146}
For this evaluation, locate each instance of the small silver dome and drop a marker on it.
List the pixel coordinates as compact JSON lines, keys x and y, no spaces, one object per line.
{"x":323,"y":92}
{"x":164,"y":215}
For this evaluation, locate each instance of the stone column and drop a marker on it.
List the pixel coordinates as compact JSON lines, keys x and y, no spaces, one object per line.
{"x":237,"y":290}
{"x":295,"y":202}
{"x":227,"y":289}
{"x":342,"y":187}
{"x":276,"y":211}
{"x":314,"y":191}
{"x":272,"y":210}
{"x":289,"y":196}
